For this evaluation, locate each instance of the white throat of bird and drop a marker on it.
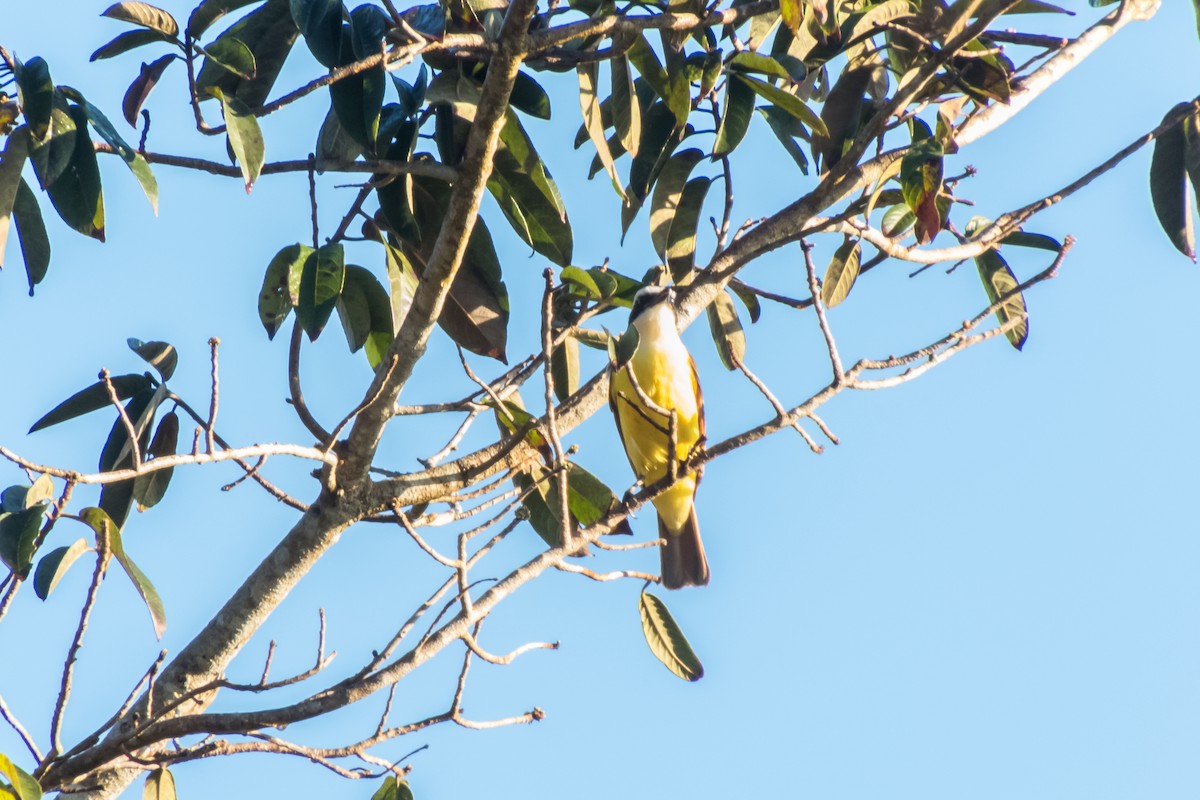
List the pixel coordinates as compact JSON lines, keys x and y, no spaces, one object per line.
{"x":657,"y":322}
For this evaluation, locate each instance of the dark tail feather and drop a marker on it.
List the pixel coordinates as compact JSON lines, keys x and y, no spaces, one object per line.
{"x":683,"y":561}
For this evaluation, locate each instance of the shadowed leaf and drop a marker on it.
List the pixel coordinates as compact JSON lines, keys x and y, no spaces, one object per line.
{"x":160,"y":785}
{"x":36,"y":92}
{"x":31,"y":230}
{"x":841,"y":273}
{"x":18,"y":535}
{"x":54,"y":566}
{"x":232,"y":55}
{"x":76,"y":195}
{"x":735,"y":116}
{"x":280,"y":291}
{"x":134,"y":160}
{"x":269,"y":33}
{"x":681,"y":240}
{"x":16,"y":151}
{"x":101,"y":522}
{"x":139,"y":90}
{"x":127,"y":41}
{"x":564,"y":367}
{"x":159,"y":355}
{"x":664,"y":203}
{"x":321,"y":280}
{"x":666,"y":640}
{"x":998,"y":280}
{"x":209,"y":11}
{"x":93,"y":398}
{"x":590,"y":106}
{"x":1168,"y":187}
{"x":626,"y":110}
{"x":145,"y":15}
{"x":148,"y":489}
{"x":727,"y":331}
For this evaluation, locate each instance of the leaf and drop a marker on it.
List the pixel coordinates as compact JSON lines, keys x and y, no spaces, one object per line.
{"x":51,"y":156}
{"x":280,"y":291}
{"x":1168,"y":187}
{"x":160,"y":785}
{"x":897,"y":220}
{"x":779,"y":128}
{"x":31,"y":229}
{"x":842,"y":115}
{"x":209,"y":11}
{"x":18,"y":535}
{"x":366,"y":313}
{"x":321,"y":280}
{"x":395,"y":194}
{"x":787,"y":102}
{"x":747,"y":61}
{"x":476,"y":312}
{"x":127,"y":41}
{"x":139,"y":90}
{"x":841,"y":273}
{"x":269,"y":32}
{"x":735,"y":116}
{"x":402,"y":284}
{"x":100,"y":522}
{"x":998,"y":280}
{"x":727,"y":332}
{"x":529,"y":96}
{"x":245,"y":137}
{"x":145,"y":15}
{"x":667,"y":193}
{"x":749,"y":299}
{"x":626,"y":111}
{"x":93,"y":398}
{"x":590,"y":107}
{"x":681,"y":241}
{"x":792,"y":14}
{"x":159,"y":355}
{"x":134,"y":160}
{"x":36,"y":92}
{"x":521,"y":183}
{"x":645,"y":60}
{"x":148,"y":489}
{"x":23,"y":784}
{"x":320,"y":22}
{"x":77,"y":196}
{"x":117,"y":498}
{"x":16,"y":151}
{"x":583,"y":283}
{"x":666,"y":640}
{"x":393,"y":788}
{"x":921,"y":182}
{"x":232,"y":55}
{"x":564,"y":368}
{"x":659,"y":140}
{"x":54,"y":566}
{"x":1037,"y":240}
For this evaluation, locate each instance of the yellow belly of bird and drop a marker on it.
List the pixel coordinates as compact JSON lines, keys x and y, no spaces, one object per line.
{"x":662,"y":378}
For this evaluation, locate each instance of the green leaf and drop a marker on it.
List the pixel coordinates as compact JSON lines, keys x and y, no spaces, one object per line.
{"x":23,"y":784}
{"x":735,"y":116}
{"x":921,"y":182}
{"x":280,"y":291}
{"x":785,"y":101}
{"x":52,"y":155}
{"x":93,"y":398}
{"x":18,"y":535}
{"x":134,"y":160}
{"x":590,"y":106}
{"x":749,"y":299}
{"x":998,"y":280}
{"x":31,"y":229}
{"x":841,"y":273}
{"x":100,"y":522}
{"x":269,"y":32}
{"x":395,"y":195}
{"x":54,"y":566}
{"x":841,"y":114}
{"x":792,"y":13}
{"x":659,"y":140}
{"x":582,"y":282}
{"x":77,"y":196}
{"x":209,"y":11}
{"x":522,"y":184}
{"x":679,"y":97}
{"x":727,"y":331}
{"x":145,"y":15}
{"x":366,"y":313}
{"x":402,"y":284}
{"x":666,"y":640}
{"x":626,"y":111}
{"x":564,"y":367}
{"x":160,"y":785}
{"x":747,"y":61}
{"x":143,"y":84}
{"x":148,"y":489}
{"x":529,"y":96}
{"x":160,"y":355}
{"x":681,"y":240}
{"x":36,"y":92}
{"x":320,"y":22}
{"x":18,"y":498}
{"x":321,"y":280}
{"x":668,"y":191}
{"x":245,"y":137}
{"x":1037,"y":240}
{"x":1168,"y":187}
{"x":645,"y":60}
{"x":897,"y":220}
{"x":127,"y":41}
{"x":16,"y":152}
{"x":232,"y":55}
{"x":393,"y":788}
{"x":775,"y":119}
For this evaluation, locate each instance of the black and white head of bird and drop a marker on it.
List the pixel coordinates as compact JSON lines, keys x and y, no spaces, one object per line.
{"x":656,"y":298}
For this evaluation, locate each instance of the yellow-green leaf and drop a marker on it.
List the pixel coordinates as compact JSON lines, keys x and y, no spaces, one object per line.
{"x":666,"y":640}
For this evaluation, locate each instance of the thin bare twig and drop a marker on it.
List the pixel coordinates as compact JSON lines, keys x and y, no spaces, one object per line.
{"x":16,"y":725}
{"x":209,"y":444}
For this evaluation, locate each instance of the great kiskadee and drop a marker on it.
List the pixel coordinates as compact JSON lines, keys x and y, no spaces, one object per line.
{"x":666,"y":375}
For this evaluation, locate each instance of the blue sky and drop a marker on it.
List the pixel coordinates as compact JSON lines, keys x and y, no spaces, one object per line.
{"x":987,"y":590}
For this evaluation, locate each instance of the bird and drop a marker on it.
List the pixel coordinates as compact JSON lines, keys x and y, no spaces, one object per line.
{"x":666,"y":374}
